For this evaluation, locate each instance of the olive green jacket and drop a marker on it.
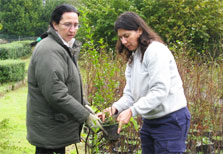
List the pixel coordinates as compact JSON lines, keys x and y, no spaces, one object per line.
{"x":55,"y":104}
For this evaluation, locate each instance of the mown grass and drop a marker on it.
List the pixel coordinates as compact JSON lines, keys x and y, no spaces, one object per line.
{"x":12,"y":123}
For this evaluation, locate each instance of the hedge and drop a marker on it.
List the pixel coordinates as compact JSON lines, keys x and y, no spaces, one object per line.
{"x":15,"y":50}
{"x":12,"y":70}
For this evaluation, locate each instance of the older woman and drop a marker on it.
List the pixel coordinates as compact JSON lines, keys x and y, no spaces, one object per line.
{"x":56,"y":109}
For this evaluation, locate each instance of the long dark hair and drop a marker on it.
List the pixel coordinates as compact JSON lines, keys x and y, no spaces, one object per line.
{"x":131,"y":21}
{"x":59,"y":11}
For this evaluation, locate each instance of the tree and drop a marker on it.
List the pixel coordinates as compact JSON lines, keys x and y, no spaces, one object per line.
{"x":20,"y":17}
{"x":197,"y":24}
{"x":26,"y":17}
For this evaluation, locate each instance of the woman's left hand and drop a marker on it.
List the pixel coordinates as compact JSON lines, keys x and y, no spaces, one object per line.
{"x":124,"y":118}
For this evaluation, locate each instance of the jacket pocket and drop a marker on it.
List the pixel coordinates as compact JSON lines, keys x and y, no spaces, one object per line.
{"x":60,"y":117}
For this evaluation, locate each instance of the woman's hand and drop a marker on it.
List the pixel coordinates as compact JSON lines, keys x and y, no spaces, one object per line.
{"x":124,"y":118}
{"x":110,"y":110}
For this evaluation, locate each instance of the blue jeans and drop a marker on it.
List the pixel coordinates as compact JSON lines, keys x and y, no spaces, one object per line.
{"x":166,"y":135}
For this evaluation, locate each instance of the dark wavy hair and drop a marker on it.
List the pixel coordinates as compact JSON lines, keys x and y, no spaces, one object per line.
{"x":59,"y":11}
{"x":131,"y":21}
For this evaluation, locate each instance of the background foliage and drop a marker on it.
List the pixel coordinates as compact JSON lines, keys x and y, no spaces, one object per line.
{"x":15,"y":50}
{"x":11,"y":70}
{"x":197,"y":25}
{"x":26,"y":17}
{"x":20,"y":16}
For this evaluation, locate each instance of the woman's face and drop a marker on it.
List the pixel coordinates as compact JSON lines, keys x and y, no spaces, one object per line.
{"x":68,"y":26}
{"x":129,"y":38}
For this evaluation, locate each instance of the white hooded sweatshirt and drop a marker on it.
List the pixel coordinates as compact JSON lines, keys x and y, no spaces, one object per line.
{"x":153,"y":87}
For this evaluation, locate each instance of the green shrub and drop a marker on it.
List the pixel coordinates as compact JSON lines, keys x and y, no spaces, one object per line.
{"x":26,"y":17}
{"x":12,"y":70}
{"x":197,"y":25}
{"x":15,"y":50}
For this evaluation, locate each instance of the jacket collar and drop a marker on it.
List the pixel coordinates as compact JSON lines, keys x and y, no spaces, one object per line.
{"x":76,"y":45}
{"x":55,"y":36}
{"x":68,"y":44}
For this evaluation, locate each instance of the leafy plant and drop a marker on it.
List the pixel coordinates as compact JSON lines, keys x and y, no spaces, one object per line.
{"x":109,"y":120}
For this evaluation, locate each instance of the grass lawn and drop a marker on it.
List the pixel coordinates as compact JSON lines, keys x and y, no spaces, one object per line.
{"x":13,"y":123}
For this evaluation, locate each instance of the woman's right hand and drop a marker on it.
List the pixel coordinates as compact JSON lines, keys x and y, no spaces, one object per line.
{"x":111,"y":110}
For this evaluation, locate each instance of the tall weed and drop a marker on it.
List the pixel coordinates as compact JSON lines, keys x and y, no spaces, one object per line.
{"x":203,"y":85}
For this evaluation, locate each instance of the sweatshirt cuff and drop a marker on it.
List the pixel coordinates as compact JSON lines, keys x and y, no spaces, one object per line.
{"x":117,"y":108}
{"x":134,"y":112}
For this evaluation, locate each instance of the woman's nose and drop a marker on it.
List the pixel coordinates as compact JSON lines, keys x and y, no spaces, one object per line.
{"x":73,"y":28}
{"x":124,"y":41}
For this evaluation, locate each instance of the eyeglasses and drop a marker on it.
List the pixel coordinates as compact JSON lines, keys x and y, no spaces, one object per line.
{"x":69,"y":25}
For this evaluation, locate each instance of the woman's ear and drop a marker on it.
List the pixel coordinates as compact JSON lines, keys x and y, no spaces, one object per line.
{"x":55,"y":25}
{"x":140,"y":31}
